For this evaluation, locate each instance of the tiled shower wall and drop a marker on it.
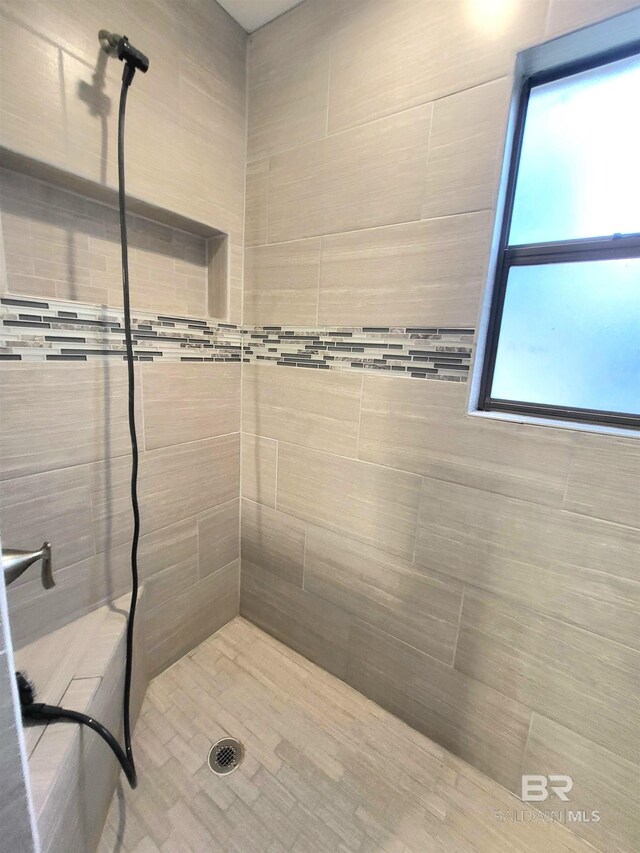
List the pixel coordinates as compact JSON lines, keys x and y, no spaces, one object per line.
{"x":64,"y":446}
{"x":60,"y":245}
{"x":478,"y":578}
{"x":186,"y":118}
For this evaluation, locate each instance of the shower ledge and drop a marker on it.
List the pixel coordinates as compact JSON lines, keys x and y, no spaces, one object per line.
{"x":102,"y":193}
{"x":72,"y":771}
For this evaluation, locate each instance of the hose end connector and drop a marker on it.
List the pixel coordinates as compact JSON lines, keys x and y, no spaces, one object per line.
{"x":120,"y":47}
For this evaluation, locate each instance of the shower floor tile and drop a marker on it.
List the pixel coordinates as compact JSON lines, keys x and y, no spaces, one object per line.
{"x":325,"y":769}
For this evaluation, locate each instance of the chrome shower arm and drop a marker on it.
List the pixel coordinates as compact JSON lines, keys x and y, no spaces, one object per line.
{"x":15,"y":562}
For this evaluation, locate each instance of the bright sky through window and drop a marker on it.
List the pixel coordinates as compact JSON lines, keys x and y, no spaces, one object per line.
{"x":564,"y":335}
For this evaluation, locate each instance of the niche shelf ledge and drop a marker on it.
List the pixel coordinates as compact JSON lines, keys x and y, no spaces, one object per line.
{"x":216,"y":241}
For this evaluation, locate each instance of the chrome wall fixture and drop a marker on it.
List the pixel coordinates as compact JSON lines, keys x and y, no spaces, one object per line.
{"x":15,"y":562}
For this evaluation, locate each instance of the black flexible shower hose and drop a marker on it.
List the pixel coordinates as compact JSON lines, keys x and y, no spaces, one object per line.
{"x":126,"y":80}
{"x":40,"y":711}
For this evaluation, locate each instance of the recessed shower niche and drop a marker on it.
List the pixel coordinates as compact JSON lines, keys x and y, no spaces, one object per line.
{"x":62,"y":241}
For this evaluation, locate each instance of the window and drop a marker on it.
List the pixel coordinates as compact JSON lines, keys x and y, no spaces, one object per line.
{"x":564,"y":334}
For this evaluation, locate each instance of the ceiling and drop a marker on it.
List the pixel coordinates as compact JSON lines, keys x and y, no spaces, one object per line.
{"x":251,"y":14}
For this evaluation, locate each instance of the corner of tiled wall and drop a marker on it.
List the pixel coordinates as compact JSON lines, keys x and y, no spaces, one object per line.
{"x":466,"y":574}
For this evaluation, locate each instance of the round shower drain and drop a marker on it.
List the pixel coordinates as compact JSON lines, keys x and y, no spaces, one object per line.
{"x":225,"y":755}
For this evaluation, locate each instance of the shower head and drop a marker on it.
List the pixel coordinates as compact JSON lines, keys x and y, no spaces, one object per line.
{"x":119,"y":46}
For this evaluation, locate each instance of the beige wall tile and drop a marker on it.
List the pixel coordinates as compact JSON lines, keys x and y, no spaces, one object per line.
{"x":51,"y":79}
{"x":580,"y":570}
{"x":64,"y":246}
{"x":216,"y":193}
{"x":306,"y":623}
{"x":87,"y":107}
{"x":219,"y":611}
{"x":218,"y":537}
{"x":375,"y":505}
{"x":207,"y":403}
{"x":259,"y":460}
{"x":86,"y":416}
{"x":168,"y":565}
{"x":409,"y":275}
{"x":110,"y":487}
{"x":566,"y":15}
{"x":31,"y":93}
{"x":604,"y":481}
{"x":236,"y":274}
{"x":235,"y":302}
{"x":288,"y":89}
{"x":481,"y":725}
{"x":369,"y":176}
{"x":186,"y":479}
{"x":81,"y":587}
{"x":425,"y":429}
{"x":202,"y":108}
{"x":418,"y":607}
{"x":281,"y":283}
{"x":312,"y":408}
{"x":191,"y":617}
{"x":54,"y":506}
{"x":174,"y":482}
{"x":256,"y":196}
{"x":602,"y":781}
{"x":225,"y":68}
{"x":466,"y":149}
{"x":220,"y":263}
{"x":273,"y":541}
{"x":389,"y":55}
{"x":168,"y":560}
{"x":552,"y":667}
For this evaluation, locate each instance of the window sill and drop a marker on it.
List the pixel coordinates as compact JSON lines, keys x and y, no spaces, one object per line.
{"x":512,"y":417}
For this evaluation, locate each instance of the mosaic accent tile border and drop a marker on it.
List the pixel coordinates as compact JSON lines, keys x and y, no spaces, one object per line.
{"x":39,"y":330}
{"x":422,"y":353}
{"x":35,"y":330}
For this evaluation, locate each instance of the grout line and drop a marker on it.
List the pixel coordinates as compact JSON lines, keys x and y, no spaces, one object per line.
{"x":572,"y":451}
{"x":275,"y":492}
{"x":266,"y":214}
{"x":65,"y":113}
{"x":198,"y":561}
{"x":92,"y":513}
{"x":185,"y":443}
{"x":415,"y":538}
{"x":455,"y":645}
{"x":377,"y":630}
{"x":318,"y":284}
{"x":432,"y":121}
{"x":328,"y":90}
{"x":4,"y":280}
{"x":373,"y":119}
{"x":395,"y":224}
{"x":304,"y":559}
{"x":142,"y":407}
{"x":342,"y":456}
{"x":360,"y":419}
{"x":526,"y":746}
{"x":242,"y":440}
